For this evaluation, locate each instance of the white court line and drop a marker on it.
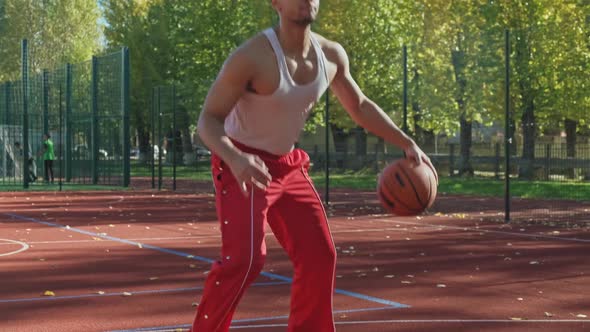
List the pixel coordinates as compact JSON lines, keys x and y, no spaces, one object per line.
{"x":23,"y":245}
{"x":430,"y":321}
{"x":539,"y":236}
{"x":134,"y":239}
{"x":369,"y":230}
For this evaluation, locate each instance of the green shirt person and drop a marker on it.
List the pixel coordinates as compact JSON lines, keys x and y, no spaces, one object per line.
{"x":48,"y":157}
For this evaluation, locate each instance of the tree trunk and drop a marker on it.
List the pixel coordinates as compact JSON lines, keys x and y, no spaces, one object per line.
{"x":188,"y":153}
{"x":570,"y":132}
{"x":340,"y":145}
{"x":459,"y":64}
{"x":465,"y":166}
{"x":361,"y":141}
{"x":529,"y":132}
{"x":143,"y":139}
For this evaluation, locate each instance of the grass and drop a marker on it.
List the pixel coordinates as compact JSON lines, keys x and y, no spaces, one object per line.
{"x":474,"y":186}
{"x":367,"y":180}
{"x":65,"y":187}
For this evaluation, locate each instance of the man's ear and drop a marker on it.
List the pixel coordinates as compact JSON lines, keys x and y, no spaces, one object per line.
{"x":275,"y":4}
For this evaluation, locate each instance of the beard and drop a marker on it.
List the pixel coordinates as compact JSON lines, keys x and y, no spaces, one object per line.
{"x":304,"y":22}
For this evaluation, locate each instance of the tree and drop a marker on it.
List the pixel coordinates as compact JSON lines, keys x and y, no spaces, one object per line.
{"x":58,"y":32}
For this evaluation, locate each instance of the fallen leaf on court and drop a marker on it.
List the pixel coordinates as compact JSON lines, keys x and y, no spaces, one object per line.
{"x":67,"y":226}
{"x":520,"y":299}
{"x":49,"y":293}
{"x":147,"y":227}
{"x":111,"y":225}
{"x":42,"y":259}
{"x":190,"y":256}
{"x":555,"y":232}
{"x":548,"y":314}
{"x":441,"y":286}
{"x":509,"y":244}
{"x":406,"y":282}
{"x":193,"y":266}
{"x":97,"y":239}
{"x":515,"y":318}
{"x":179,"y":330}
{"x":100,"y":293}
{"x":410,"y":276}
{"x":339,"y":276}
{"x":534,"y":263}
{"x":195,"y":304}
{"x":388,"y":237}
{"x":362,"y":275}
{"x":110,"y":207}
{"x":438,"y":214}
{"x":581,"y":316}
{"x":154,"y":278}
{"x":127,"y":294}
{"x":408,"y":239}
{"x":507,"y":258}
{"x":390,"y":276}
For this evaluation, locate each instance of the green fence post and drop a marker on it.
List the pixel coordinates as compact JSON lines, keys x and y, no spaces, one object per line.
{"x":61,"y":149}
{"x":507,"y":137}
{"x":68,"y":123}
{"x":174,"y":137}
{"x":7,"y":118}
{"x":405,"y":97}
{"x":125,"y":73}
{"x":153,"y":139}
{"x":25,"y":100}
{"x":94,"y":121}
{"x":45,"y":86}
{"x":327,"y":138}
{"x":160,"y":150}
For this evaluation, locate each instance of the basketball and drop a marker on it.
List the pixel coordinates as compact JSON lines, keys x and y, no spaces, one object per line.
{"x":407,"y":189}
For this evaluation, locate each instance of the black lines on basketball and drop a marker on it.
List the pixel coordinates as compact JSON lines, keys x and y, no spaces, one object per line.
{"x":399,"y":179}
{"x":414,"y":188}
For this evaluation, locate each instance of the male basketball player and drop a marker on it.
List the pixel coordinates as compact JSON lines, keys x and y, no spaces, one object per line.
{"x":252,"y":117}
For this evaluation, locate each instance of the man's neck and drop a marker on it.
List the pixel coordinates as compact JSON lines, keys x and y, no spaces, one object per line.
{"x":295,"y":40}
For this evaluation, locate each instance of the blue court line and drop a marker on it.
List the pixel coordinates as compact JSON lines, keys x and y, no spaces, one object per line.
{"x":158,"y":291}
{"x":248,"y":320}
{"x":199,"y":258}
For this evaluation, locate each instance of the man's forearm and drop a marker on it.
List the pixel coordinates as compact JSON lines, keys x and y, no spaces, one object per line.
{"x":211,"y":131}
{"x":372,"y":118}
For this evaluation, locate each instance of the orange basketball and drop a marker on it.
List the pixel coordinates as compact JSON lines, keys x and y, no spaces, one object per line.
{"x":406,"y":189}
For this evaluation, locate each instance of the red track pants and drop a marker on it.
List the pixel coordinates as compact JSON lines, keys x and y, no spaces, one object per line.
{"x":293,"y":209}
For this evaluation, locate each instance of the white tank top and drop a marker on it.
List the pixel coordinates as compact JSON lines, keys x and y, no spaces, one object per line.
{"x":273,"y":123}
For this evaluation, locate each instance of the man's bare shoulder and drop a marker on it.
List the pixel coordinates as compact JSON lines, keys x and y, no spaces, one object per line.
{"x":332,"y":49}
{"x":252,"y":51}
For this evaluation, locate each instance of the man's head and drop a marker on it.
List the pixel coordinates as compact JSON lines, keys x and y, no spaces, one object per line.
{"x":17,"y":145}
{"x":46,"y":137}
{"x":299,"y":12}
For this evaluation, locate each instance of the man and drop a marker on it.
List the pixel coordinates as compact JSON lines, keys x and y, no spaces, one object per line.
{"x":32,"y":171}
{"x":252,"y":117}
{"x":48,"y":157}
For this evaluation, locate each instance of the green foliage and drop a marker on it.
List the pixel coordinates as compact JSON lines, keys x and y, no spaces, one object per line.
{"x":455,"y":47}
{"x":58,"y":32}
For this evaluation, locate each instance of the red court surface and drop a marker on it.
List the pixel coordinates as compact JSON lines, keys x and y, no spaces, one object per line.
{"x":136,"y":261}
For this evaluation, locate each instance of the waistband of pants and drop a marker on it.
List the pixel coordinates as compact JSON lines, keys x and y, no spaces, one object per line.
{"x":293,"y":159}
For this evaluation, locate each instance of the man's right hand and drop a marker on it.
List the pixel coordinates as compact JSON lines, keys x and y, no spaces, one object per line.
{"x":249,"y":169}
